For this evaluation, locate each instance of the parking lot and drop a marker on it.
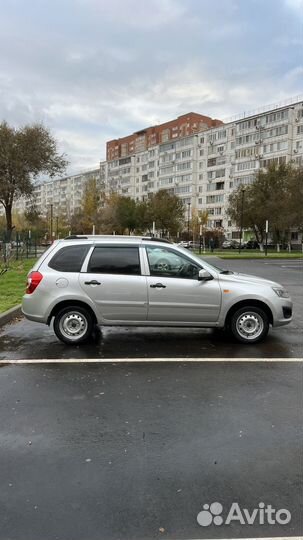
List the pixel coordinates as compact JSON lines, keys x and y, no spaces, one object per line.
{"x":114,"y":449}
{"x":134,"y":451}
{"x":25,"y":339}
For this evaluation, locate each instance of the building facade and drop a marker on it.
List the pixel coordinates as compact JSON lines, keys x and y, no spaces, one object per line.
{"x":64,"y":194}
{"x":199,"y":159}
{"x":204,"y":166}
{"x":184,"y":125}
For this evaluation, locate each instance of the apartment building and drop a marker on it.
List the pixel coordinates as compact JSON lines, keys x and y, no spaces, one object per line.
{"x":205,"y":164}
{"x":64,"y":194}
{"x":200,"y":159}
{"x":184,"y":125}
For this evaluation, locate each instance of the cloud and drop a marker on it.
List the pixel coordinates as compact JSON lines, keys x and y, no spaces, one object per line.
{"x":94,"y":70}
{"x":296,"y":5}
{"x":144,"y":15}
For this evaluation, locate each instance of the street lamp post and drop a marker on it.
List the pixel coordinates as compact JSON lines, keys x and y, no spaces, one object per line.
{"x":241,"y":218}
{"x":266,"y":236}
{"x":188,"y":219}
{"x":51,"y":223}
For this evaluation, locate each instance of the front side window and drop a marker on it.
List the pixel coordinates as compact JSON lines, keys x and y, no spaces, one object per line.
{"x":115,"y":260}
{"x":69,"y":258}
{"x":164,"y":262}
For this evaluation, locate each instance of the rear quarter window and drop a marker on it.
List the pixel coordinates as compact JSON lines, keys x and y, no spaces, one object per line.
{"x":69,"y":258}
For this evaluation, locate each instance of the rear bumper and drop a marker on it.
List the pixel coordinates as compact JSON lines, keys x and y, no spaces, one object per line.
{"x":33,"y":309}
{"x":35,"y":318}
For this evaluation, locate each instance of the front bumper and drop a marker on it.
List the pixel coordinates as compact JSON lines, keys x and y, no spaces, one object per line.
{"x":283,"y":313}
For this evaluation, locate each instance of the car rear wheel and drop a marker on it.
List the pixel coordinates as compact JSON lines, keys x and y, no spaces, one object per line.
{"x":249,"y":324}
{"x":73,"y":325}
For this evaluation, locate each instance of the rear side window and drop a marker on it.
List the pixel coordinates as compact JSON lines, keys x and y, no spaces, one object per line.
{"x":69,"y":258}
{"x":115,"y":260}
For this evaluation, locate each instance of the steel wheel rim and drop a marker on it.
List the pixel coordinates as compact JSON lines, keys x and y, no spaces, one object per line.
{"x":250,"y":325}
{"x":163,"y":265}
{"x":73,"y":325}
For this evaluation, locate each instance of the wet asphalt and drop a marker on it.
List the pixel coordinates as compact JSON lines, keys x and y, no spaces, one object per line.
{"x":122,"y":451}
{"x":134,"y":451}
{"x":25,"y":339}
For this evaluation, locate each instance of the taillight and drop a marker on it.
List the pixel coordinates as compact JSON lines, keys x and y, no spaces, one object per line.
{"x":33,"y":281}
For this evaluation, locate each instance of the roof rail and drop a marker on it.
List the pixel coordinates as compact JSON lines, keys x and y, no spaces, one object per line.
{"x":76,"y":237}
{"x":112,"y":236}
{"x":153,"y":239}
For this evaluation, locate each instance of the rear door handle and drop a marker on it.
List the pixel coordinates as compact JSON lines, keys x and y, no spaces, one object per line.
{"x":158,"y":286}
{"x":92,"y":282}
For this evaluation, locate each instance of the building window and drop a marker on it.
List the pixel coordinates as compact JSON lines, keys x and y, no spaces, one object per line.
{"x":165,"y":135}
{"x":214,"y":199}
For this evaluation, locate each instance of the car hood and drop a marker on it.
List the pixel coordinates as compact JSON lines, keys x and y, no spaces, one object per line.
{"x":247,"y":278}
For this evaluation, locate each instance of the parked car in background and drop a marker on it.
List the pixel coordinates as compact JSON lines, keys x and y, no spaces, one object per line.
{"x":187,"y":245}
{"x":251,"y":244}
{"x":85,"y":281}
{"x":230,"y":244}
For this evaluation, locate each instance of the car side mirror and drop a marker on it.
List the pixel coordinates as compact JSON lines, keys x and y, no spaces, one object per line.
{"x":204,"y":275}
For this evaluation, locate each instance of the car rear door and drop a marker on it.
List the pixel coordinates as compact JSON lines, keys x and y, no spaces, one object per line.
{"x":112,"y":278}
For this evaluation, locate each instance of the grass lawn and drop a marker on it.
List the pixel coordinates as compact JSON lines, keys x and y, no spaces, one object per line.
{"x":252,"y":254}
{"x":12,"y":283}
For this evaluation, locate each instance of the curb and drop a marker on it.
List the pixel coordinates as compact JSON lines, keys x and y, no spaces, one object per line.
{"x":10,"y":314}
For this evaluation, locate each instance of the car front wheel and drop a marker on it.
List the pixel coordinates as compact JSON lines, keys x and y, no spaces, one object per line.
{"x":249,"y":324}
{"x":73,"y":325}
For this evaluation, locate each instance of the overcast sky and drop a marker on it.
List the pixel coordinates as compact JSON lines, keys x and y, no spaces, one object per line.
{"x":94,"y":70}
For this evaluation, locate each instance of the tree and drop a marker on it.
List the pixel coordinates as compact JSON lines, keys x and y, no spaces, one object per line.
{"x":110,"y":217}
{"x":127,"y":214}
{"x":89,"y":215}
{"x":167,"y":210}
{"x":276,"y":195}
{"x":25,"y":153}
{"x":199,"y":219}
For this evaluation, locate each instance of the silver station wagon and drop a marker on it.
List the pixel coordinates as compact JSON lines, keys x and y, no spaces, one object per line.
{"x":84,"y":281}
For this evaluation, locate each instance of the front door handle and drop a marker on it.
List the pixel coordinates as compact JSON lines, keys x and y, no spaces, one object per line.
{"x":92,"y":282}
{"x":158,"y":286}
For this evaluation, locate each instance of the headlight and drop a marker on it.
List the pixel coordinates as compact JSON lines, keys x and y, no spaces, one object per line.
{"x":282,"y":293}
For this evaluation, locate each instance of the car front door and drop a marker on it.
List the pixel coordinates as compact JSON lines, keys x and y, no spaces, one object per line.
{"x":175,"y":295}
{"x":114,"y":282}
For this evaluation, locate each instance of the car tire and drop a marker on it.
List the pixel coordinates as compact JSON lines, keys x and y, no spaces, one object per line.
{"x":73,"y":325}
{"x":249,"y":324}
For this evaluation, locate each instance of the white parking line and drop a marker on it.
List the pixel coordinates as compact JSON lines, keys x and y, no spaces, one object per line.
{"x":144,"y":360}
{"x":289,"y":266}
{"x":277,"y":263}
{"x":267,"y":538}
